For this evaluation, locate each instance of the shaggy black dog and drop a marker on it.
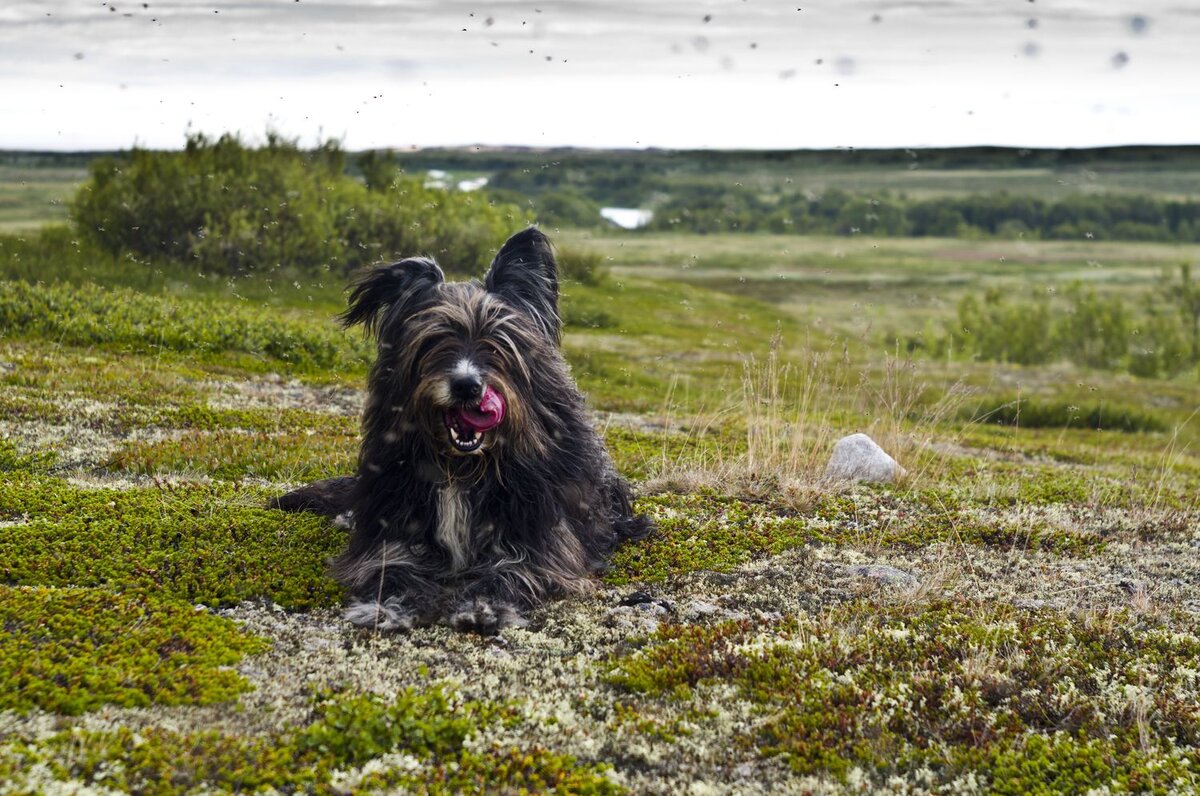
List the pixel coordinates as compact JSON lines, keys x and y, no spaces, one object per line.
{"x":482,"y":488}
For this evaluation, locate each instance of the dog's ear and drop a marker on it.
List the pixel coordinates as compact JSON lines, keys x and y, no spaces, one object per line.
{"x":525,"y":275}
{"x":401,"y":285}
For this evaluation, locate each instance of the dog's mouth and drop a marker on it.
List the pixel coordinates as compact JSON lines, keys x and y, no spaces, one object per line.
{"x":467,"y":424}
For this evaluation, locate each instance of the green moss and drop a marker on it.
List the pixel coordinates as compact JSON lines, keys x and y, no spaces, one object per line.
{"x":704,"y":531}
{"x":353,"y":729}
{"x":950,"y":687}
{"x":71,"y":650}
{"x":1060,"y":763}
{"x":209,"y":544}
{"x":13,"y":460}
{"x":431,"y":726}
{"x":533,"y":770}
{"x":91,"y":315}
{"x":233,"y":454}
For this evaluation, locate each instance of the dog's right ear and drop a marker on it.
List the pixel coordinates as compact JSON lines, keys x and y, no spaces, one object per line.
{"x":525,"y":274}
{"x":399,"y":286}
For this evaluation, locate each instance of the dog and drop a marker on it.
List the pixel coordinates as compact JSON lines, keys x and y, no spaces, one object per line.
{"x":482,"y":488}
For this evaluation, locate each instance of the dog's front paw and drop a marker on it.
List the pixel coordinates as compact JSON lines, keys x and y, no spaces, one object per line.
{"x":389,"y":616}
{"x":485,"y":617}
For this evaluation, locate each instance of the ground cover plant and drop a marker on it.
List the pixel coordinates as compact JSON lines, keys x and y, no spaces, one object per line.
{"x":1017,"y":614}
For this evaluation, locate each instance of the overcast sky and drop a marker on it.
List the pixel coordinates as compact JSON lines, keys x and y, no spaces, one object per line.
{"x":84,"y":74}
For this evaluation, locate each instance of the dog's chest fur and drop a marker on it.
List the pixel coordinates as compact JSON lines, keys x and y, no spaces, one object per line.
{"x":454,"y":524}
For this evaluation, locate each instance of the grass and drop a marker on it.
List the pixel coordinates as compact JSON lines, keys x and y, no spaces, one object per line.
{"x":856,"y":286}
{"x":35,"y":194}
{"x":1043,"y":637}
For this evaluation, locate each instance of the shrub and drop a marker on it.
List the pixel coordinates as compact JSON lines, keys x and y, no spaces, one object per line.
{"x":1094,"y":330}
{"x":997,"y":329}
{"x":1085,"y":328}
{"x":585,"y":266}
{"x":567,"y":208}
{"x":231,"y":208}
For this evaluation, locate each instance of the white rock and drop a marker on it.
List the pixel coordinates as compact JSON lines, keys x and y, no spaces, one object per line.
{"x":858,"y":458}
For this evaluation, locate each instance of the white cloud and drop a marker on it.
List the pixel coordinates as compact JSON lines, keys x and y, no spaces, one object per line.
{"x":622,"y":73}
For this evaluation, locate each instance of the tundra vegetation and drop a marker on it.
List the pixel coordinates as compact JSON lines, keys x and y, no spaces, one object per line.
{"x":1017,"y":614}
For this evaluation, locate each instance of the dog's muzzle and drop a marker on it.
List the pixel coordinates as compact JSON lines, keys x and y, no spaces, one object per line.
{"x":469,"y":422}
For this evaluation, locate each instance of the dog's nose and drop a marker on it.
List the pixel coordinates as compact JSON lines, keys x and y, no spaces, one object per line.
{"x":466,"y":387}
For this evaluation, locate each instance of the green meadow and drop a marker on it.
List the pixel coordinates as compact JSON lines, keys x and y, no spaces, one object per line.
{"x":1016,"y":614}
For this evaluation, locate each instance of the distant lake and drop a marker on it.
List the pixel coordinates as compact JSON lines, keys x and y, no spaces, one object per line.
{"x":627,"y":217}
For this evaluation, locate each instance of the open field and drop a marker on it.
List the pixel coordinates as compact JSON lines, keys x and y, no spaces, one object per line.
{"x":1018,"y":614}
{"x":859,"y":285}
{"x":1015,"y":614}
{"x":32,"y":195}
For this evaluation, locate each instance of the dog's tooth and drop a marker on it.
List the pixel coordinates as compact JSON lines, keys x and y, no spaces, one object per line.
{"x":454,"y":433}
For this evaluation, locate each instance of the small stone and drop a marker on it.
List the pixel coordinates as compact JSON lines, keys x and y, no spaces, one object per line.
{"x":643,"y":600}
{"x":698,"y":609}
{"x":858,"y":458}
{"x":889,"y":576}
{"x":641,"y":619}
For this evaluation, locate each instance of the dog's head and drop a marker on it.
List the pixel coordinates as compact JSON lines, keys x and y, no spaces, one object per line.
{"x":459,"y":359}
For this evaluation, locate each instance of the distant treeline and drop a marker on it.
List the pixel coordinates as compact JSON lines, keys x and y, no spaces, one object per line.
{"x":519,"y":159}
{"x":748,"y":191}
{"x":837,"y":212}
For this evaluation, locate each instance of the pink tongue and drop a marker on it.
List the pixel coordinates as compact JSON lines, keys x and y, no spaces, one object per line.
{"x":487,"y":415}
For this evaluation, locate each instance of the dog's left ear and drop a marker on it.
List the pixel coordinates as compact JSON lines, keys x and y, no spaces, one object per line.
{"x":525,"y":275}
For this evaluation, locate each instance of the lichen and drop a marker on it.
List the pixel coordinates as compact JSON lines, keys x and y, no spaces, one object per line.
{"x":1030,"y":701}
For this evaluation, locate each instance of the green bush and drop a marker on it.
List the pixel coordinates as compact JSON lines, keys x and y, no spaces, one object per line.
{"x":567,"y":208}
{"x":1081,"y":327}
{"x":1094,"y":331}
{"x":229,"y":208}
{"x":1003,"y":331}
{"x":585,"y":266}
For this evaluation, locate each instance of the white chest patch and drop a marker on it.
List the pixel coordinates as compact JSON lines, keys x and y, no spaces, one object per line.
{"x":454,"y":525}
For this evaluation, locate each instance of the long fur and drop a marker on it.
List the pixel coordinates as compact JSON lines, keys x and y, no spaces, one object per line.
{"x":471,"y":540}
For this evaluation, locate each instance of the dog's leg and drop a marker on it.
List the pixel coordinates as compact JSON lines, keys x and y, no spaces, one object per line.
{"x":393,"y":614}
{"x":392,"y":588}
{"x":484,"y":615}
{"x":627,"y":525}
{"x":330,"y":497}
{"x":495,"y":600}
